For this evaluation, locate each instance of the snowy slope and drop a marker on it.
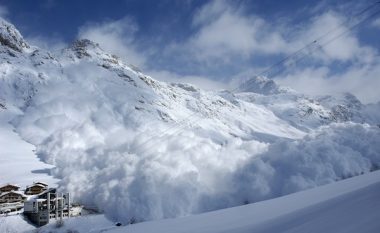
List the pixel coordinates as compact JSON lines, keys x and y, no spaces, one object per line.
{"x":351,"y":205}
{"x":142,"y":149}
{"x":18,"y":163}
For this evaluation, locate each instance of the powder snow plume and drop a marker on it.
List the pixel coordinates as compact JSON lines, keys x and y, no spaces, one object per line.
{"x":141,"y":149}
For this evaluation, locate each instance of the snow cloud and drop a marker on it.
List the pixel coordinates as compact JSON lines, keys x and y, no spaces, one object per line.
{"x":329,"y":154}
{"x":91,"y":139}
{"x":111,"y":155}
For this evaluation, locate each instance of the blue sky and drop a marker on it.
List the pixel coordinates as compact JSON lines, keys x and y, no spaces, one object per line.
{"x":213,"y":43}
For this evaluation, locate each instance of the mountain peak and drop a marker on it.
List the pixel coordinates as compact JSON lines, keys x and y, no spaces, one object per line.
{"x":84,"y":43}
{"x":10,"y":37}
{"x":261,"y":85}
{"x":81,"y":47}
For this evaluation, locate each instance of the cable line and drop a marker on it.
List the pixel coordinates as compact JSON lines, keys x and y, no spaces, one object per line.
{"x":335,"y":37}
{"x":180,"y":124}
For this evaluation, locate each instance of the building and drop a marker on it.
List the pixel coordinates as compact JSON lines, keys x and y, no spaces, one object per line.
{"x":9,"y":187}
{"x":49,"y":204}
{"x":44,"y":195}
{"x":36,"y":188}
{"x":12,"y":196}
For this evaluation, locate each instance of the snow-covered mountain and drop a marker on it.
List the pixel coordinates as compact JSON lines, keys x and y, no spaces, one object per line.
{"x":139,"y":148}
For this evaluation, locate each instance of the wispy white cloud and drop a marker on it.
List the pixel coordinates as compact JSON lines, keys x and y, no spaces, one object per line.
{"x":117,"y":37}
{"x":334,"y":40}
{"x":362,"y":81}
{"x":339,"y":48}
{"x":223,"y":31}
{"x":226,"y":33}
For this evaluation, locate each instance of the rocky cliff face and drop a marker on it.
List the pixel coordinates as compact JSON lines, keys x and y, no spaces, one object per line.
{"x":11,"y":38}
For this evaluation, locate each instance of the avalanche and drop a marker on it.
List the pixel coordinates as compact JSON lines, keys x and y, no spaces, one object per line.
{"x":355,"y":202}
{"x":142,"y":149}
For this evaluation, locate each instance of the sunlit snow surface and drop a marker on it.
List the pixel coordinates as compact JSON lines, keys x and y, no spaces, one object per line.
{"x":18,"y":162}
{"x":142,"y":149}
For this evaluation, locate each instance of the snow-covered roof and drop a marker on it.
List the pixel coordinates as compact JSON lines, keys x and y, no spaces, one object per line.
{"x":8,"y":184}
{"x":41,"y":183}
{"x":36,"y":184}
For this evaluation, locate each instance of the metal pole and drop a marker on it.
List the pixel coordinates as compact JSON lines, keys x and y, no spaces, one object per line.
{"x":48,"y":206}
{"x":68,"y":204}
{"x":61,"y":206}
{"x":56,"y":206}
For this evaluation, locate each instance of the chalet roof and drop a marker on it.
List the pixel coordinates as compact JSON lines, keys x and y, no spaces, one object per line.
{"x":15,"y":192}
{"x":13,"y":185}
{"x":42,"y":183}
{"x":36,"y":184}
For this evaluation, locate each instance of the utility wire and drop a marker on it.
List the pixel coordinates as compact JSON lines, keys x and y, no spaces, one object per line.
{"x":283,"y":60}
{"x":179,"y":125}
{"x":318,"y":39}
{"x":333,"y":39}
